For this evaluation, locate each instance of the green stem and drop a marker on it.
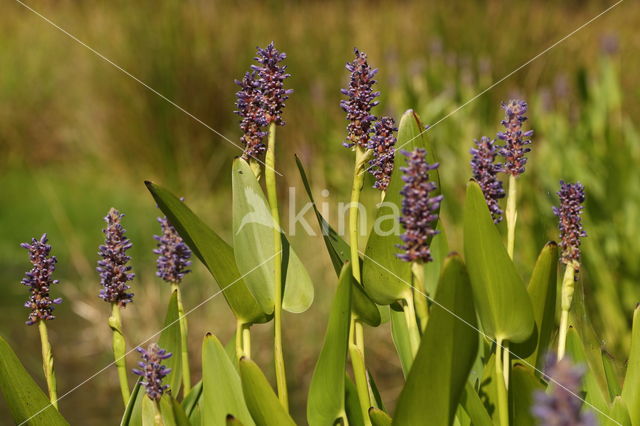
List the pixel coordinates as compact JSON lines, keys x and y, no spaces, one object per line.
{"x":184,"y":341}
{"x":356,"y":347}
{"x":506,"y":364}
{"x":511,"y":215}
{"x":568,"y":283}
{"x":356,"y":341}
{"x":420,"y":295}
{"x":412,"y":324}
{"x":503,"y":402}
{"x":47,"y":363}
{"x":246,"y":340}
{"x":270,"y":179}
{"x":119,"y":351}
{"x":239,"y":345}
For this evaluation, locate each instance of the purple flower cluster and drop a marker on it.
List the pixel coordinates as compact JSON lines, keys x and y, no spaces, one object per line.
{"x":271,"y":78}
{"x":516,"y":140}
{"x":152,"y":371}
{"x":249,"y":108}
{"x":562,"y":406}
{"x":419,"y":208}
{"x":113,"y":268}
{"x":382,"y":144}
{"x":173,"y":253}
{"x":361,"y":101}
{"x":485,"y":172}
{"x":570,"y":222}
{"x":261,"y":99}
{"x":39,"y":280}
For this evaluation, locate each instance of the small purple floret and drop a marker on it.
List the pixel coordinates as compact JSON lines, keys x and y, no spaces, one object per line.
{"x":570,"y":221}
{"x":419,"y":207}
{"x":382,"y":144}
{"x":516,"y":140}
{"x":563,"y":405}
{"x":113,"y":268}
{"x":173,"y":254}
{"x":485,"y":171}
{"x":361,"y":99}
{"x":152,"y":371}
{"x":39,"y":280}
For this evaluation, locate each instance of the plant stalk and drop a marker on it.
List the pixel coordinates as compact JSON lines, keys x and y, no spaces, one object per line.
{"x":356,"y":347}
{"x":157,"y":418}
{"x":420,"y":295}
{"x":568,"y":286}
{"x":356,"y":341}
{"x":184,"y":341}
{"x":412,"y":324}
{"x":119,"y":351}
{"x":511,"y":215}
{"x":270,"y":179}
{"x":503,"y":400}
{"x":47,"y":363}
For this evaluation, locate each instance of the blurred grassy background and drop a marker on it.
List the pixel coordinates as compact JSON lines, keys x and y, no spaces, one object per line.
{"x":77,"y":136}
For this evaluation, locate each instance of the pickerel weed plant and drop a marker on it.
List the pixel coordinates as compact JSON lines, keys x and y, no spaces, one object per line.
{"x":476,"y":345}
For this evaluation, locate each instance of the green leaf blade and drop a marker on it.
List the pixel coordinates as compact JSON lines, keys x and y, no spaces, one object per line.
{"x":502,"y":301}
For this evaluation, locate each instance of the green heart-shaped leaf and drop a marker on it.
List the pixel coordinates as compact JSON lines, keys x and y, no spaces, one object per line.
{"x":379,"y":417}
{"x":384,"y":276}
{"x":255,"y":255}
{"x":264,"y":406}
{"x":325,"y":403}
{"x":213,"y":252}
{"x":25,"y":400}
{"x":221,"y":387}
{"x":500,"y":297}
{"x":542,"y":290}
{"x":522,"y":386}
{"x":447,"y":351}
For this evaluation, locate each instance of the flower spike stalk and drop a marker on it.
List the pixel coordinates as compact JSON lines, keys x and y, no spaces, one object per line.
{"x":172,"y":263}
{"x":419,"y":215}
{"x":114,"y":276}
{"x":270,"y":78}
{"x":39,"y":280}
{"x":571,"y":231}
{"x":513,"y":152}
{"x":360,"y":100}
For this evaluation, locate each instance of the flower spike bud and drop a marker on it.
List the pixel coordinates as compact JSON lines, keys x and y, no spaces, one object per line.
{"x":361,"y":99}
{"x":270,"y":80}
{"x":249,"y":104}
{"x":152,"y":371}
{"x":419,"y":207}
{"x":382,"y":144}
{"x":516,"y":140}
{"x":173,"y":254}
{"x":113,"y":268}
{"x":39,"y":280}
{"x":570,"y":221}
{"x":485,"y":171}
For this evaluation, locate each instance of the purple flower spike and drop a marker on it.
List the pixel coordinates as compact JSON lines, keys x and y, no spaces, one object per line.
{"x":419,"y":208}
{"x":563,"y":405}
{"x":152,"y":371}
{"x":515,"y":138}
{"x":39,"y":280}
{"x":113,"y":268}
{"x":570,"y":221}
{"x":485,"y":171}
{"x":249,"y":104}
{"x":271,"y":78}
{"x":173,"y":254}
{"x":361,"y":101}
{"x":383,"y":146}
